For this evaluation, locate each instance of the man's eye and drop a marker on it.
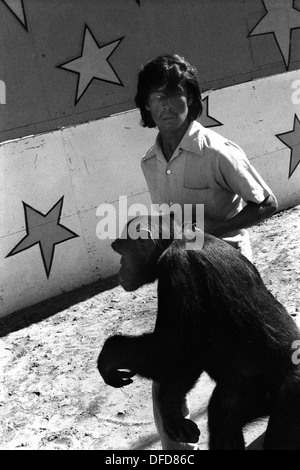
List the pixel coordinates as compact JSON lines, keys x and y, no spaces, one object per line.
{"x":162,"y":96}
{"x":178,"y":94}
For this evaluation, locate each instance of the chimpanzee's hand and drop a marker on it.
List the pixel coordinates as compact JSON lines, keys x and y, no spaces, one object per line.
{"x":183,"y":430}
{"x":117,"y":377}
{"x":112,"y":364}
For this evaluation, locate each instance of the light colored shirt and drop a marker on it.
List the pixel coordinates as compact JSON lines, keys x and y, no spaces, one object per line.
{"x":206,"y":169}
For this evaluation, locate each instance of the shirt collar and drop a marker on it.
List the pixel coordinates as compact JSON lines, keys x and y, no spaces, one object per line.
{"x":192,"y":141}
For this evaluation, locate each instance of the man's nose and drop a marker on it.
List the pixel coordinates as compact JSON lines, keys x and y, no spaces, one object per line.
{"x":167,"y":103}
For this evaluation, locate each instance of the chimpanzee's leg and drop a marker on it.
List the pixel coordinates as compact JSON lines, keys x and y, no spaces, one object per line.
{"x":228,"y":412}
{"x":166,"y":441}
{"x":283,"y":431}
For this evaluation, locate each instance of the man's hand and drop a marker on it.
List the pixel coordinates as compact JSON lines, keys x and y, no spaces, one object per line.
{"x":250,"y":215}
{"x":211,"y":226}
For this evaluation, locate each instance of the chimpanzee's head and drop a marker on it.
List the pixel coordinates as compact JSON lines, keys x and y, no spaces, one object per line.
{"x":141,"y":244}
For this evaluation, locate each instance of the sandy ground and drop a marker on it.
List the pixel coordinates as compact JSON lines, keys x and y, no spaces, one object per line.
{"x":51,"y":396}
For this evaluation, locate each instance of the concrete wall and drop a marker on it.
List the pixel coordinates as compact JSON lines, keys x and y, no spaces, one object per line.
{"x":87,"y":165}
{"x":41,"y":39}
{"x":53,"y":181}
{"x":96,"y":163}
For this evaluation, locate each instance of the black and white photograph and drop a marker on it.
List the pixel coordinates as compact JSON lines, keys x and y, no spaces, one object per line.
{"x":150,"y":227}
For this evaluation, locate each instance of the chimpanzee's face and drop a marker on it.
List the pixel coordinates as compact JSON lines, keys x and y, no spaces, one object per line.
{"x":131,"y":273}
{"x":139,"y":251}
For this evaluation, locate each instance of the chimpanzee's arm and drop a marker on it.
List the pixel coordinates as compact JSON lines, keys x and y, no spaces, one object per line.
{"x":171,"y":402}
{"x":168,"y":353}
{"x":138,"y":354}
{"x":156,"y":356}
{"x":124,"y":356}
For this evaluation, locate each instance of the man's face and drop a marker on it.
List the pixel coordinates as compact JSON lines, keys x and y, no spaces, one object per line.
{"x":168,"y":108}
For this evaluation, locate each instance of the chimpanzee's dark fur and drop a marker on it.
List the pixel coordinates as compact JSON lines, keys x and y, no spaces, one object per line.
{"x":215,"y":315}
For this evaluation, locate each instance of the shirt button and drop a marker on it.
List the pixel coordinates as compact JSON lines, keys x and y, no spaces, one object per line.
{"x":169,"y":172}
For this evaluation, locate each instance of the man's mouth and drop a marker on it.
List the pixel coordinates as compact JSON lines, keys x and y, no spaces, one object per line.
{"x":167,"y":118}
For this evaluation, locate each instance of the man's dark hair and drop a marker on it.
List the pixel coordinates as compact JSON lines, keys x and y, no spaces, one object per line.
{"x":168,"y":70}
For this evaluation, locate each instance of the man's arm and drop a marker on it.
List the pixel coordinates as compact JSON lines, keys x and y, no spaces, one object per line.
{"x":251,"y":214}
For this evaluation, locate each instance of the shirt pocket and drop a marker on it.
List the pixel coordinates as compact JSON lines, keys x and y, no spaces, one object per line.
{"x":198,"y":196}
{"x":196,"y":189}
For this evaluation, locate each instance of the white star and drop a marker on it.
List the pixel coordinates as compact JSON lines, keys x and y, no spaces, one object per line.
{"x":279,"y":20}
{"x":93,"y":63}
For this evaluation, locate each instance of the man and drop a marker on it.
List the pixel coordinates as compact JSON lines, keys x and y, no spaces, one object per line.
{"x":189,"y":164}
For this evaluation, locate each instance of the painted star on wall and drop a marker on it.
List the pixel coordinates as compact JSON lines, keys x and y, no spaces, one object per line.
{"x":44,"y":230}
{"x":17,"y":8}
{"x":205,"y":119}
{"x":280,"y":22}
{"x":292,"y":140}
{"x":93,"y":63}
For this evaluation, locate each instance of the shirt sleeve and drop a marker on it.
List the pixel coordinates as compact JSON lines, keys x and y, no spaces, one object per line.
{"x":235,"y":173}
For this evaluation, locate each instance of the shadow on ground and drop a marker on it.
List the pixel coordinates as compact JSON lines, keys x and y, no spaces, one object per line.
{"x":43,"y":310}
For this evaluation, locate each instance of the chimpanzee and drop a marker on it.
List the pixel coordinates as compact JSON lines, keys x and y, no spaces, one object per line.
{"x":216,"y":315}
